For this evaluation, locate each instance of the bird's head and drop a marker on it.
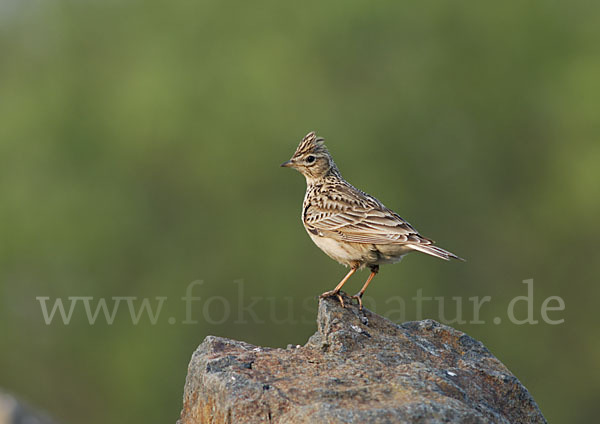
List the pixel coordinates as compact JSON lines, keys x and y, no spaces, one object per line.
{"x":311,"y":158}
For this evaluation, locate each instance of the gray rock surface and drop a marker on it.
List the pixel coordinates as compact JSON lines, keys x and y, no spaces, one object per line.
{"x":357,"y":368}
{"x":13,"y":411}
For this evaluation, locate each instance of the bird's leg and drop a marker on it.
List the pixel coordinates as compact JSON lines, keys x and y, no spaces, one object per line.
{"x":336,"y":291}
{"x":358,"y":296}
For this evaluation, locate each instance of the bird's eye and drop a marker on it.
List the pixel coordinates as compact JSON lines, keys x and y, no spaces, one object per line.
{"x":310,"y":159}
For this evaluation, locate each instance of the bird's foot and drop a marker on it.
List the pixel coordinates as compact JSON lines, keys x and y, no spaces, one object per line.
{"x":332,"y":293}
{"x":358,"y":297}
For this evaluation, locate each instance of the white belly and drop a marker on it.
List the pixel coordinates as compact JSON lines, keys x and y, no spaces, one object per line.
{"x":344,"y":253}
{"x":360,"y":254}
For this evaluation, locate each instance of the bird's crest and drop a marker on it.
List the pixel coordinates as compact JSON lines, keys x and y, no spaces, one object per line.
{"x":310,"y":144}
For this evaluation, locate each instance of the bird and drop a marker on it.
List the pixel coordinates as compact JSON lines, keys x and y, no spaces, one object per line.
{"x":349,"y":225}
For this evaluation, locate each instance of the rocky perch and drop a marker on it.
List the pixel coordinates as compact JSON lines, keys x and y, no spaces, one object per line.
{"x":357,"y":368}
{"x":13,"y":411}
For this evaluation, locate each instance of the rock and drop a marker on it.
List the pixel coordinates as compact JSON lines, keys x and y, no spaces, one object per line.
{"x":357,"y":368}
{"x":13,"y":411}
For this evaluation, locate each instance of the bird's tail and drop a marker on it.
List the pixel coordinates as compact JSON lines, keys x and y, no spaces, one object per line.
{"x":436,"y":251}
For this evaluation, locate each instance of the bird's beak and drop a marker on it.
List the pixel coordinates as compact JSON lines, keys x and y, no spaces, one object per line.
{"x":287,"y":164}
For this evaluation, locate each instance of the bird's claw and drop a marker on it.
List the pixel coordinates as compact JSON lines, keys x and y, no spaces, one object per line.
{"x":335,"y":293}
{"x":358,"y":297}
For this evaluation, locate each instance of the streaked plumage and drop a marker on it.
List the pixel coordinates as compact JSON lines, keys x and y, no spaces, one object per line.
{"x":350,"y":226}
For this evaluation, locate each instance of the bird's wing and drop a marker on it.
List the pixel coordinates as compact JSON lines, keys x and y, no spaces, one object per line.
{"x":350,"y":215}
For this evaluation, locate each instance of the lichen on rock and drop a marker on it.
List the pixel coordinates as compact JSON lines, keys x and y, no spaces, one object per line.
{"x":358,"y":367}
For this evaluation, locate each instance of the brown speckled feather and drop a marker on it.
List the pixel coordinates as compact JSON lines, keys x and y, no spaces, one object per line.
{"x":341,"y":211}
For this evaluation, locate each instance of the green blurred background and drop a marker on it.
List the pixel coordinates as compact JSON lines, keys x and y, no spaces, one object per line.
{"x":140,"y":145}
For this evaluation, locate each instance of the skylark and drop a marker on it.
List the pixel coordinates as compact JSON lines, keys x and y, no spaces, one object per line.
{"x":350,"y":226}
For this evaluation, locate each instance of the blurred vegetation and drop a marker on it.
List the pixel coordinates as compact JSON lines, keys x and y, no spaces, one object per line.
{"x":139,"y":151}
